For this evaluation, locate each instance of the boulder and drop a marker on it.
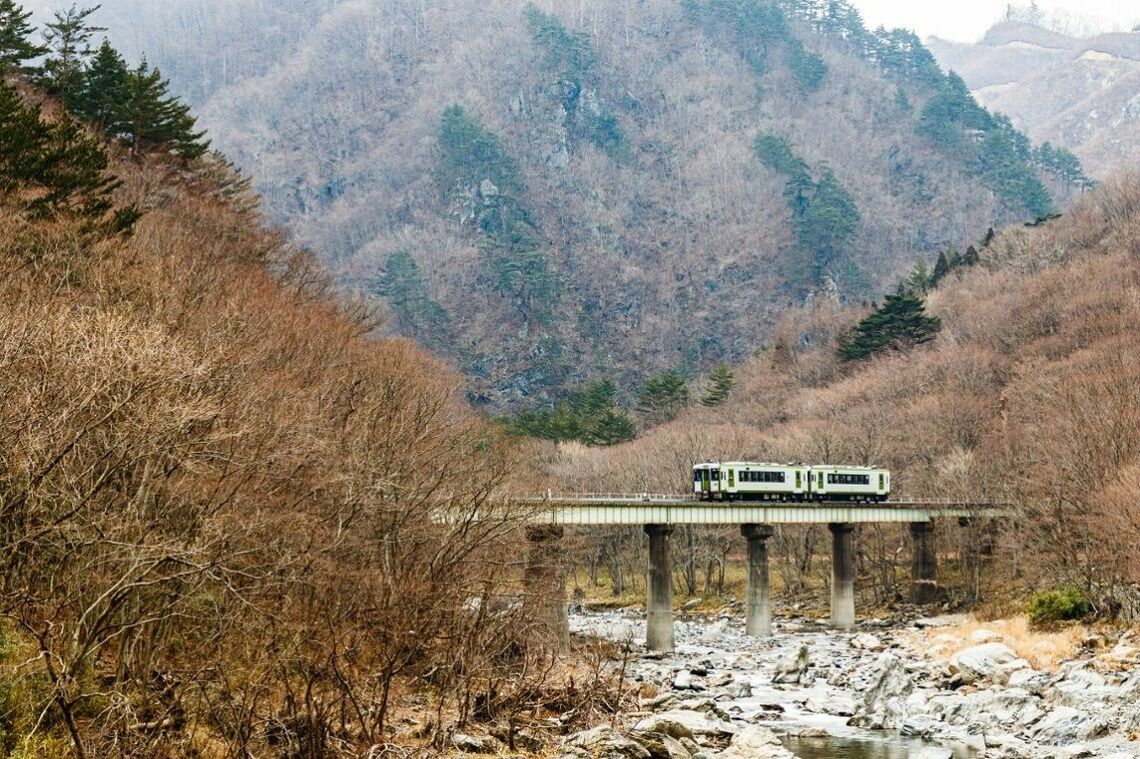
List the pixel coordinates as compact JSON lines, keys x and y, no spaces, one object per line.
{"x":604,"y":742}
{"x":983,"y":662}
{"x":836,"y":705}
{"x":885,"y":696}
{"x":1066,"y":725}
{"x":661,"y":746}
{"x":663,"y":726}
{"x":688,"y":681}
{"x":755,"y":742}
{"x":697,"y":723}
{"x":793,"y":667}
{"x":985,"y":636}
{"x":692,"y":604}
{"x":475,"y":744}
{"x":867,"y":642}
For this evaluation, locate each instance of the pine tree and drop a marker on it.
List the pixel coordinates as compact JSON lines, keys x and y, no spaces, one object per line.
{"x":104,"y":100}
{"x":971,"y":256}
{"x":68,"y":39}
{"x":721,"y":381}
{"x":56,"y":168}
{"x":15,"y":32}
{"x":663,"y":397}
{"x":610,"y":428}
{"x":158,"y":120}
{"x":941,"y":269}
{"x":900,"y":324}
{"x":919,"y":279}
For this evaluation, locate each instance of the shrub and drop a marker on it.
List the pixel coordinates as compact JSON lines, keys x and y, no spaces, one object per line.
{"x":1052,"y":606}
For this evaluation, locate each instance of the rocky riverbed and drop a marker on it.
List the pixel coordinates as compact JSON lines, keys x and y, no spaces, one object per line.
{"x":875,"y":692}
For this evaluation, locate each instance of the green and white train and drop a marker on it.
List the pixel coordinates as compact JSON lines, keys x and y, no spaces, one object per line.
{"x":750,"y":480}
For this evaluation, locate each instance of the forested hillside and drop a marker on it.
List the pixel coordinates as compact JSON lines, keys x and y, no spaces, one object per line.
{"x":1018,"y":386}
{"x":220,"y":496}
{"x":554,"y":196}
{"x":1073,"y":91}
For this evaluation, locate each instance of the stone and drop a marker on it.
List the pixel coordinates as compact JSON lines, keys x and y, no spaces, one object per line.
{"x":604,"y":742}
{"x":475,"y":744}
{"x":1066,"y":725}
{"x":687,"y":681}
{"x":985,"y":636}
{"x":867,"y":642}
{"x":524,"y":740}
{"x":982,"y":662}
{"x":692,"y":604}
{"x":885,"y":695}
{"x":756,"y":742}
{"x":793,"y":667}
{"x":697,"y":723}
{"x":663,"y":726}
{"x":836,"y":705}
{"x":661,"y":746}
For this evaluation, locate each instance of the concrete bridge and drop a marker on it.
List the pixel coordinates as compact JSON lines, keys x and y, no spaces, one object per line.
{"x":549,"y":513}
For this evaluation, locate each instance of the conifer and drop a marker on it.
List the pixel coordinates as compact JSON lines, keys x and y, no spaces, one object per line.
{"x":721,"y":381}
{"x":15,"y":45}
{"x":67,"y":38}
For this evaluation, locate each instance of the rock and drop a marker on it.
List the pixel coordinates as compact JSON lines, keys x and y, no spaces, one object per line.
{"x":1066,"y":725}
{"x":793,"y":667}
{"x":836,"y":705}
{"x":944,"y":620}
{"x":661,"y":746}
{"x":697,"y":723}
{"x":982,"y":662}
{"x":523,"y":739}
{"x":867,"y":642}
{"x":692,"y":604}
{"x":686,"y":681}
{"x":755,"y":742}
{"x":985,"y":636}
{"x":475,"y":744}
{"x":603,"y":742}
{"x":884,"y":698}
{"x":663,"y":726}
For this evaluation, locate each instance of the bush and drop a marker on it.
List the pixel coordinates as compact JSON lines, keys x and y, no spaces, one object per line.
{"x":1052,"y":606}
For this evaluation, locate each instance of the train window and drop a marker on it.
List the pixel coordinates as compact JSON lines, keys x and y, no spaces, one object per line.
{"x":696,"y":475}
{"x":848,"y":479}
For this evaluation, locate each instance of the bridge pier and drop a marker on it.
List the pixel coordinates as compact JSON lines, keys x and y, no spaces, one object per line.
{"x":758,"y":607}
{"x":659,"y":589}
{"x":924,"y":564}
{"x":545,"y":584}
{"x":842,"y":576}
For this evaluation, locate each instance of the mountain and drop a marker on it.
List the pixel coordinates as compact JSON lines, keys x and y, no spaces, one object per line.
{"x":550,"y":196}
{"x":1074,"y":92}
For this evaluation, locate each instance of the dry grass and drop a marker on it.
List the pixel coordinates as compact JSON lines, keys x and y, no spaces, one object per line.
{"x":1042,"y":649}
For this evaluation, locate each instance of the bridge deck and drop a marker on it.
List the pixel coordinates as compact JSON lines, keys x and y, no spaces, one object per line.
{"x":643,"y":508}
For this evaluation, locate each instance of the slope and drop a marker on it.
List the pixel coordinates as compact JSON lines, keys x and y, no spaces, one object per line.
{"x":1078,"y":93}
{"x":638,"y":229}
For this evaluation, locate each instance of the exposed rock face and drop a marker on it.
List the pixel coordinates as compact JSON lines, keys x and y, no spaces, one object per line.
{"x":793,"y":668}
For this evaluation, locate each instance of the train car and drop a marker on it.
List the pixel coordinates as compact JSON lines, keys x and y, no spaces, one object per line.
{"x":706,"y":480}
{"x":751,"y":480}
{"x":849,"y":483}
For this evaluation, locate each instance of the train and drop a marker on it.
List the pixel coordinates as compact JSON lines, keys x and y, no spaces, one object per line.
{"x":759,"y":481}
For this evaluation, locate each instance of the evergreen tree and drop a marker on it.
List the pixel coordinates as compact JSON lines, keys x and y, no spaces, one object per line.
{"x":158,"y":120}
{"x":417,"y":314}
{"x":68,"y":38}
{"x":941,"y":269}
{"x":16,"y":49}
{"x":919,"y":280}
{"x":900,"y":324}
{"x":721,"y":381}
{"x":49,"y":169}
{"x":971,"y":256}
{"x":663,"y":397}
{"x":104,"y":100}
{"x":610,"y":428}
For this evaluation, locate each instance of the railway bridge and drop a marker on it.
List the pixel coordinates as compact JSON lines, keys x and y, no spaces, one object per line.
{"x":549,"y":513}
